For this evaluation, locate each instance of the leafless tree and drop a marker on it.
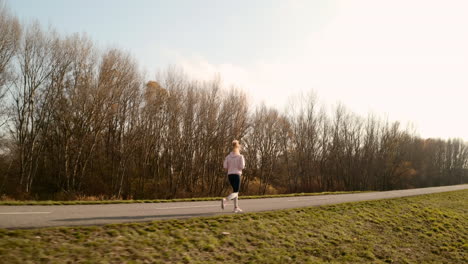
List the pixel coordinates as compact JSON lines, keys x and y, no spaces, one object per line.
{"x":32,"y":92}
{"x":10,"y":33}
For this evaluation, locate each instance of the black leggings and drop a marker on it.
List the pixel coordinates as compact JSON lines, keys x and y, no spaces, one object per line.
{"x":234,"y":180}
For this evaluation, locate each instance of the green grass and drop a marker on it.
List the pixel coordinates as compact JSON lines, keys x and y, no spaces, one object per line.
{"x":421,"y":229}
{"x":161,"y":200}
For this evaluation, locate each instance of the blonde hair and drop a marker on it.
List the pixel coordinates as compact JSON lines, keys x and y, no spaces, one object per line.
{"x":235,"y":144}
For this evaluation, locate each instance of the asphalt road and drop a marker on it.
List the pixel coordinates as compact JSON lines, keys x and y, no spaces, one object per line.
{"x":74,"y":215}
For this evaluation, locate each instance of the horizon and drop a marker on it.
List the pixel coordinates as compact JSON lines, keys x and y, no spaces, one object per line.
{"x":404,"y":61}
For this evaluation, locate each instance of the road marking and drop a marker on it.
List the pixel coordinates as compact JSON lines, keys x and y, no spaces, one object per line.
{"x":184,"y":207}
{"x":299,"y":200}
{"x":22,"y":213}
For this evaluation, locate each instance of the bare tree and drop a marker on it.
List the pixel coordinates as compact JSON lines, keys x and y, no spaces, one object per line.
{"x":30,"y":94}
{"x":10,"y":33}
{"x":264,"y":145}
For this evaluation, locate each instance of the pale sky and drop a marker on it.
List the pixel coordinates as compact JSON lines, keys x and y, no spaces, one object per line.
{"x":407,"y":60}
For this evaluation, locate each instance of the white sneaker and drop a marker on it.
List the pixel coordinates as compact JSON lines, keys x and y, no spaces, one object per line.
{"x":223,"y":203}
{"x":238,"y":210}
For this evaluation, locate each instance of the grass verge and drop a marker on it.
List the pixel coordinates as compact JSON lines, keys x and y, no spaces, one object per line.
{"x":49,"y":202}
{"x":421,"y":229}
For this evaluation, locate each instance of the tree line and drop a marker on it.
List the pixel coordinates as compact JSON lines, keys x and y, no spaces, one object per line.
{"x":80,"y":121}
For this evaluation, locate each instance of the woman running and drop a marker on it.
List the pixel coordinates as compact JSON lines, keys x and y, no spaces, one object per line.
{"x":234,"y":163}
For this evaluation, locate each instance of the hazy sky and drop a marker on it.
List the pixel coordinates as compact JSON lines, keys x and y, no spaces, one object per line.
{"x":407,"y":60}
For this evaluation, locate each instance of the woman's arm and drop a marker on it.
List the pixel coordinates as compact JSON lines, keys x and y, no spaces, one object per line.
{"x":242,"y":161}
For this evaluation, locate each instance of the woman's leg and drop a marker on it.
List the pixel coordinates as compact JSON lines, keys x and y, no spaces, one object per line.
{"x":234,"y":179}
{"x":232,"y":196}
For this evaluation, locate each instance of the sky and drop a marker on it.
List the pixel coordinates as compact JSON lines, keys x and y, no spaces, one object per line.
{"x":404,"y":60}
